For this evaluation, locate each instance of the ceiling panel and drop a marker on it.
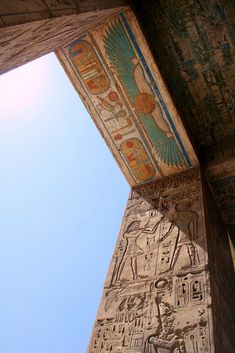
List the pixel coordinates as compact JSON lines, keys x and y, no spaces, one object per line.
{"x":113,"y":71}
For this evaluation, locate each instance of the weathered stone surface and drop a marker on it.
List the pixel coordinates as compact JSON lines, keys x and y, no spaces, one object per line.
{"x":193,"y":43}
{"x":113,"y":71}
{"x":157,"y":295}
{"x":172,"y":263}
{"x":23,"y":43}
{"x":219,"y":165}
{"x":17,"y":12}
{"x":221,"y":273}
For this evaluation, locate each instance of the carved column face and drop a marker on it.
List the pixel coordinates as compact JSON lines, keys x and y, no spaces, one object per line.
{"x":156,"y":296}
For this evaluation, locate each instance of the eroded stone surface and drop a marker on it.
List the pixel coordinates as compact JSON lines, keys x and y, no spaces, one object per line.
{"x":220,"y":171}
{"x":161,"y":285}
{"x":193,"y":43}
{"x":23,"y":43}
{"x":156,"y":296}
{"x":17,"y":12}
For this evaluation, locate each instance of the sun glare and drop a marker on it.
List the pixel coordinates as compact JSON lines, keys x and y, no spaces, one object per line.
{"x":21,"y":89}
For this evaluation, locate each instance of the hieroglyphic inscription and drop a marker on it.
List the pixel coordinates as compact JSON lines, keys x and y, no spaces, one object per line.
{"x":115,"y":117}
{"x":194,"y":46}
{"x":155,"y":298}
{"x":224,"y":194}
{"x":113,"y":71}
{"x":23,"y":43}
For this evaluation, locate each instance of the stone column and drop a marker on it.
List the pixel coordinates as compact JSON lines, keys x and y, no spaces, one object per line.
{"x":169,"y":285}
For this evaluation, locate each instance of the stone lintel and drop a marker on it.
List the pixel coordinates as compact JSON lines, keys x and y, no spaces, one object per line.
{"x":113,"y":71}
{"x":22,"y":43}
{"x":16,"y":12}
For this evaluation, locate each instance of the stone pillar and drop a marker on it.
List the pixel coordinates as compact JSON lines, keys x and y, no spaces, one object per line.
{"x":169,"y":284}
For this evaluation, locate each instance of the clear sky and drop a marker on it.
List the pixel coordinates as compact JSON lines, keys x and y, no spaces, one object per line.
{"x":61,"y":205}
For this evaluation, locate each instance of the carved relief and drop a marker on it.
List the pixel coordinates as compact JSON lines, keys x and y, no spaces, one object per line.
{"x":23,"y":43}
{"x":194,"y":45}
{"x":60,"y":4}
{"x":154,"y":298}
{"x":183,"y":229}
{"x":89,"y":67}
{"x":182,"y":294}
{"x":112,"y":69}
{"x":224,"y":194}
{"x":137,"y":158}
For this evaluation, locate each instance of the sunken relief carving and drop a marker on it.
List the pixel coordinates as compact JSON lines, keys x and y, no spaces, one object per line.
{"x":194,"y":45}
{"x":154,"y":298}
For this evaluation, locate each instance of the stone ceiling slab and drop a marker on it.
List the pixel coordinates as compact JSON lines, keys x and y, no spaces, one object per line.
{"x":193,"y":43}
{"x":23,"y":43}
{"x":15,"y":12}
{"x":113,"y":70}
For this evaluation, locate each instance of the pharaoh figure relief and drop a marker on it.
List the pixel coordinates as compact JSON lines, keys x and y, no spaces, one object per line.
{"x":154,"y":298}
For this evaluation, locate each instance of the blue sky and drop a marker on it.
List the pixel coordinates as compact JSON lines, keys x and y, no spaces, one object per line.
{"x":61,"y":205}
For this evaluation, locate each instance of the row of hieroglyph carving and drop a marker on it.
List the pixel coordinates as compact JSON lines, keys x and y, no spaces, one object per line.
{"x":156,"y":293}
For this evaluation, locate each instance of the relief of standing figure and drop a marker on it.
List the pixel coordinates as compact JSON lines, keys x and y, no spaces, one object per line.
{"x":186,"y":221}
{"x":131,"y":251}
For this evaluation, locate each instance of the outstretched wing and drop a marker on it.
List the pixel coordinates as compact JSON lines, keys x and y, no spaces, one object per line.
{"x":120,"y":52}
{"x":166,"y":147}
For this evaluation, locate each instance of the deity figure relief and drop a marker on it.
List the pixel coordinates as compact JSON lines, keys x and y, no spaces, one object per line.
{"x":185,"y":221}
{"x":146,"y":102}
{"x":143,"y":93}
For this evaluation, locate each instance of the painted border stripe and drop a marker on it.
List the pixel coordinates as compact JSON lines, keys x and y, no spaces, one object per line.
{"x":129,"y":31}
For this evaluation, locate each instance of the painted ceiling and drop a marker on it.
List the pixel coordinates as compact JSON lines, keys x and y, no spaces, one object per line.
{"x":113,"y":71}
{"x":193,"y":42}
